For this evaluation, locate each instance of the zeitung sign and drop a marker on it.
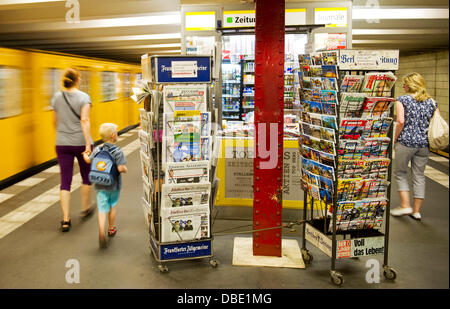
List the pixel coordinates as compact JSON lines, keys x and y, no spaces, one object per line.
{"x":247,"y":18}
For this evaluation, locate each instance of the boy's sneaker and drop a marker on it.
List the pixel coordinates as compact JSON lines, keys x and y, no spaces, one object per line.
{"x":416,"y":216}
{"x":401,"y":211}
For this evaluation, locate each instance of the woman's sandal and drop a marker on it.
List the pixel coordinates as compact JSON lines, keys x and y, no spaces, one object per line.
{"x":65,"y":225}
{"x":88,"y":212}
{"x":112,"y":232}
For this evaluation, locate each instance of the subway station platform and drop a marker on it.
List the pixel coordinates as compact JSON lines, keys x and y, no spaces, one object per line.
{"x":34,"y":252}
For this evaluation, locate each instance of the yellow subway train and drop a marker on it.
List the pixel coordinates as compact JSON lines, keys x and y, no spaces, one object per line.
{"x":28,"y":80}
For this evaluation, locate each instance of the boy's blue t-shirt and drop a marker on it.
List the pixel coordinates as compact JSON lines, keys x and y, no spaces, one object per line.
{"x":119,"y":159}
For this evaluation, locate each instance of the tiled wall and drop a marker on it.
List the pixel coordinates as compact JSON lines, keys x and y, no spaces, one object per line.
{"x":433,"y":66}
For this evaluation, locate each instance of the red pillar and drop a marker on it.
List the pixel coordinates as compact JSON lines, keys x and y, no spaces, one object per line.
{"x":269,"y":110}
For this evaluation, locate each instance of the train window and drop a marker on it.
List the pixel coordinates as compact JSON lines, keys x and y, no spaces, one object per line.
{"x":10,"y":91}
{"x":52,"y":84}
{"x":85,"y":80}
{"x":109,"y":86}
{"x":126,"y":85}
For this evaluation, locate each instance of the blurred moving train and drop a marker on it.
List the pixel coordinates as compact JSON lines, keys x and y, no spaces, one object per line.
{"x":28,"y":80}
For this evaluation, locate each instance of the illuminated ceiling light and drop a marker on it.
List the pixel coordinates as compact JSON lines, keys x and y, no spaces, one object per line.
{"x":397,"y":31}
{"x":166,"y":19}
{"x":370,"y":14}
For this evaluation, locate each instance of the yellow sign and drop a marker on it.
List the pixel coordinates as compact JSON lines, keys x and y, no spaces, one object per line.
{"x":200,"y":21}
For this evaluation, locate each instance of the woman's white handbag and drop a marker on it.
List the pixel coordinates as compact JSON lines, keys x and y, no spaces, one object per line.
{"x":438,"y":132}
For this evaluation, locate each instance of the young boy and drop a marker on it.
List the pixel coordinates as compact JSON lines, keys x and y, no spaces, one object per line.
{"x":108,"y":196}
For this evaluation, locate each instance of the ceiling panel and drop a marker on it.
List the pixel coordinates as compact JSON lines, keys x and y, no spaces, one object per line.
{"x":129,"y":33}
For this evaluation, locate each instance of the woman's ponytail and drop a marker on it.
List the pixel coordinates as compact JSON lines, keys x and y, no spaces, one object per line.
{"x":70,"y":78}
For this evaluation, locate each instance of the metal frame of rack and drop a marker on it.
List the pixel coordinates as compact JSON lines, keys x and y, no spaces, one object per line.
{"x":161,"y":251}
{"x":316,"y":224}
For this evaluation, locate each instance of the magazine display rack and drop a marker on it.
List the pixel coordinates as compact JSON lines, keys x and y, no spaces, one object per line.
{"x":178,"y":177}
{"x":346,"y":148}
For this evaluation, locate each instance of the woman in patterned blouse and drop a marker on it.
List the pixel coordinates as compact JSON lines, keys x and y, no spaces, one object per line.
{"x":414,"y":112}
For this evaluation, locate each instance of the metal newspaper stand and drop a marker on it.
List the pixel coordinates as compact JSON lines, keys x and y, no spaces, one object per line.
{"x":166,"y":71}
{"x":317,"y":230}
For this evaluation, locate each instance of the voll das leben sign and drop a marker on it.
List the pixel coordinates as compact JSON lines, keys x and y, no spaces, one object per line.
{"x":247,"y":18}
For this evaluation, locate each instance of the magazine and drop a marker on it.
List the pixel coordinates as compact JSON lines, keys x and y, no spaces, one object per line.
{"x":180,"y":151}
{"x":365,"y":214}
{"x":352,"y":83}
{"x":329,"y":57}
{"x":369,"y":148}
{"x":376,"y":106}
{"x":146,"y":120}
{"x":306,"y":95}
{"x":314,"y":191}
{"x":329,"y":122}
{"x":205,"y":128}
{"x":328,"y":96}
{"x":147,"y":166}
{"x":315,"y":119}
{"x":186,"y":223}
{"x":146,"y":141}
{"x":184,"y":126}
{"x":318,"y":168}
{"x":378,"y":84}
{"x":182,"y":97}
{"x":181,"y":195}
{"x":147,"y":190}
{"x":379,"y":127}
{"x":353,"y":189}
{"x":328,"y":134}
{"x":351,"y":104}
{"x":304,"y":59}
{"x":329,"y":71}
{"x":364,"y":169}
{"x":315,"y":71}
{"x":148,"y":214}
{"x":329,"y":83}
{"x":359,"y":128}
{"x":329,"y":109}
{"x":187,"y":172}
{"x":305,"y":82}
{"x":316,"y":155}
{"x":206,"y":147}
{"x":353,"y":128}
{"x":316,"y":59}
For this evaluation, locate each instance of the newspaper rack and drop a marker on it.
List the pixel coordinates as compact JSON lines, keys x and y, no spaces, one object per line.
{"x":188,"y":241}
{"x":340,"y":242}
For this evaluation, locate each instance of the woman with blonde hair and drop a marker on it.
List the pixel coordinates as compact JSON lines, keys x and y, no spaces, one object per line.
{"x":414,"y":111}
{"x":73,"y":139}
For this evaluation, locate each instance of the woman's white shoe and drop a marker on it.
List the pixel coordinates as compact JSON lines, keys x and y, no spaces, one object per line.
{"x":416,"y":216}
{"x":400,"y":211}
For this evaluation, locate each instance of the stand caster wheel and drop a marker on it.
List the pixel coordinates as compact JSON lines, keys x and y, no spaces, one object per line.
{"x":307,"y":257}
{"x":163,"y":268}
{"x":389,"y":273}
{"x":213,"y":263}
{"x":337,"y":278}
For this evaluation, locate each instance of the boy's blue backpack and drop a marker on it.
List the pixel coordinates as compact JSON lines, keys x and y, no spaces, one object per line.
{"x":103,"y":167}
